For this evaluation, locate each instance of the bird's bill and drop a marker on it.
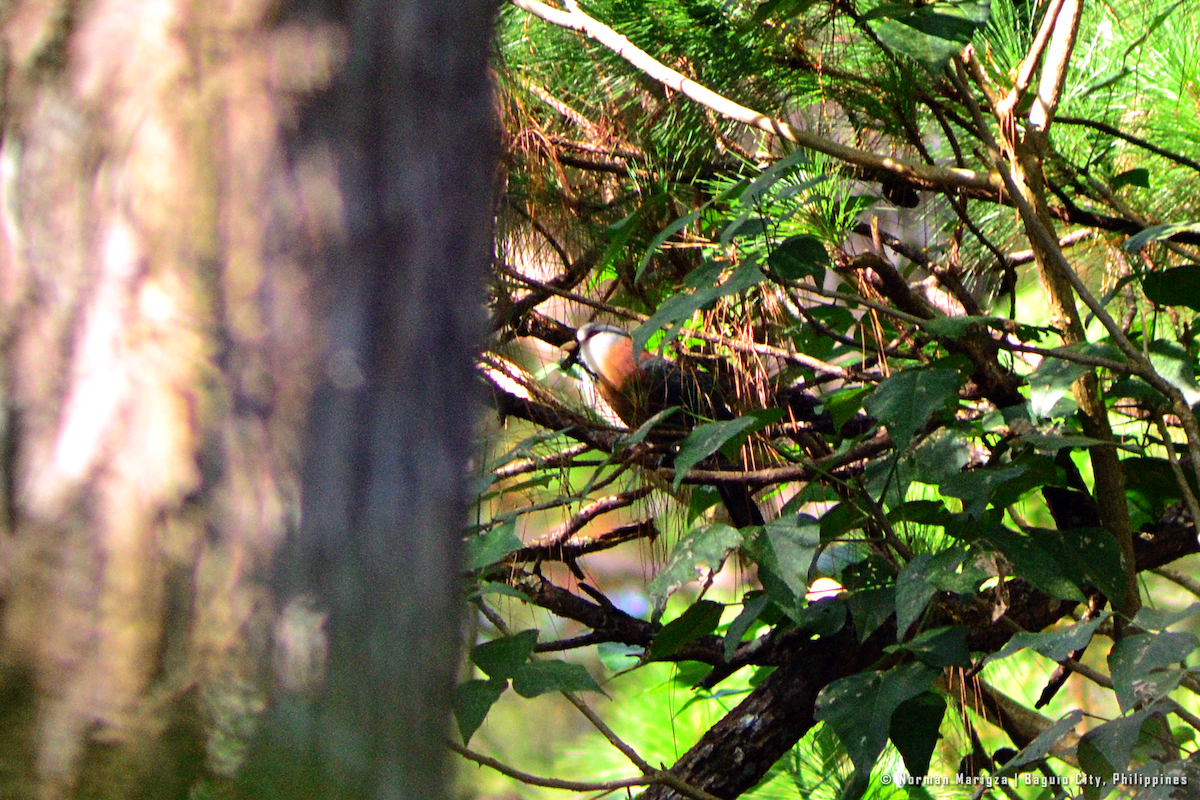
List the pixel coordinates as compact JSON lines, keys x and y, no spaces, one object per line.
{"x":571,"y":358}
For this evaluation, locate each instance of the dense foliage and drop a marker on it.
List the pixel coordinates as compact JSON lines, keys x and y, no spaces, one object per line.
{"x":941,"y":260}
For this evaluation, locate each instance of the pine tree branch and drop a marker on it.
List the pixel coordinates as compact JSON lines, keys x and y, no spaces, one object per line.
{"x":928,"y":176}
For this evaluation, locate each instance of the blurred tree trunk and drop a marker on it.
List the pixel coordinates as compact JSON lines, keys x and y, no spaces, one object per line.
{"x":212,"y":214}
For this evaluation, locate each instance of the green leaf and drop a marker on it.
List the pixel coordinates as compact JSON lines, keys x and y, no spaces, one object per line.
{"x":1134,"y":657}
{"x":737,"y":629}
{"x":680,"y":307}
{"x":845,"y":403}
{"x":487,"y":549}
{"x":1174,"y":363}
{"x":975,"y":488}
{"x":906,"y":400}
{"x":1157,"y":619}
{"x":931,"y":34}
{"x":914,"y":730}
{"x":502,"y":658}
{"x":618,"y":657}
{"x":824,"y":617}
{"x":1033,"y":563}
{"x":707,"y":439}
{"x":841,"y":518}
{"x":1178,"y":286}
{"x":701,"y":619}
{"x":870,"y":608}
{"x":661,"y":237}
{"x":799,"y":257}
{"x":472,"y":701}
{"x":914,"y":587}
{"x":704,"y":548}
{"x":1106,"y":749}
{"x":1037,"y":749}
{"x":539,"y":677}
{"x":1138,"y":176}
{"x":859,"y":708}
{"x":939,"y":648}
{"x":1054,"y":645}
{"x":940,"y":457}
{"x":745,"y":225}
{"x":1087,"y":555}
{"x":1157,"y":233}
{"x":784,"y":553}
{"x":1050,"y":382}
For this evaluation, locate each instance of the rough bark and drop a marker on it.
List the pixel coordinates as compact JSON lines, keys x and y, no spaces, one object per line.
{"x":185,"y":256}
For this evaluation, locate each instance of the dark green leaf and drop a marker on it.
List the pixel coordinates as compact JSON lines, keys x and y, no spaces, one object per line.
{"x":841,"y":518}
{"x":915,"y":587}
{"x":799,"y":257}
{"x":933,"y":33}
{"x":487,"y":549}
{"x":1106,"y":748}
{"x":1033,"y":563}
{"x":707,"y":439}
{"x":700,"y":619}
{"x":502,"y":658}
{"x":859,"y":708}
{"x":539,"y":677}
{"x":704,"y":548}
{"x":941,"y":456}
{"x":1138,"y":176}
{"x":823,"y":617}
{"x":472,"y":701}
{"x":1054,"y":645}
{"x":914,"y":730}
{"x":870,"y":608}
{"x":1087,"y":555}
{"x":1134,"y":657}
{"x":940,"y":648}
{"x":1157,"y":619}
{"x":737,"y":629}
{"x":744,"y":226}
{"x":906,"y":400}
{"x":1178,"y":286}
{"x":1042,"y":744}
{"x":975,"y":488}
{"x":784,"y":552}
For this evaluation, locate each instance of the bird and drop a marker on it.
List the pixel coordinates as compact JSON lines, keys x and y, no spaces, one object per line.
{"x":637,"y":389}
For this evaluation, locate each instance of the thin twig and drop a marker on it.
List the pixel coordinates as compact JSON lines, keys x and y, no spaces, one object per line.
{"x":574,"y":19}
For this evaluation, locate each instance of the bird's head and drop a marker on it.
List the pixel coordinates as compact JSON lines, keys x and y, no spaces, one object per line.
{"x":605,"y":351}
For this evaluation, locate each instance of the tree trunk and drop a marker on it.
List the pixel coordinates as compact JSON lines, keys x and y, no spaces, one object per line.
{"x":212,"y":214}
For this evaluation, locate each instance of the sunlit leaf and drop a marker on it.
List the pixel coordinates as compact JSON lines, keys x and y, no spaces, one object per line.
{"x":705,"y":548}
{"x":488,"y":548}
